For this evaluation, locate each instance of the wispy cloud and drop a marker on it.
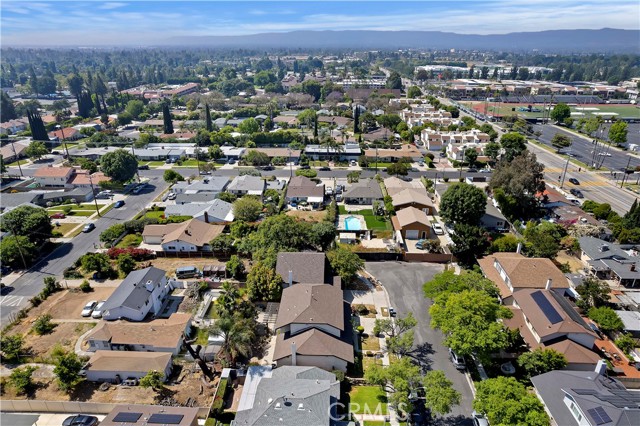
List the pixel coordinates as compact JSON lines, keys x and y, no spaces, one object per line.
{"x":112,"y":5}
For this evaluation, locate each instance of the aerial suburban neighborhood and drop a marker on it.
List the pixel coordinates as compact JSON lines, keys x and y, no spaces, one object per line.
{"x":319,"y":227}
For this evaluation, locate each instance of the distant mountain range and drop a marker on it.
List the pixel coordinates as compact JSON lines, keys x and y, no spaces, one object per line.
{"x":606,"y":40}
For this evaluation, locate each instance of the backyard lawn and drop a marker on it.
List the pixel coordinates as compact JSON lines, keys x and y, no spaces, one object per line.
{"x":367,"y":399}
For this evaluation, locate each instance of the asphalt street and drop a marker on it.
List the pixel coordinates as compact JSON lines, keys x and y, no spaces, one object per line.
{"x":403,"y":282}
{"x":17,"y":295}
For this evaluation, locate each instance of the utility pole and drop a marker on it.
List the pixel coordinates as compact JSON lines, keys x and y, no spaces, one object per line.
{"x":624,"y":176}
{"x":24,"y":263}
{"x":566,"y":166}
{"x":64,"y":143}
{"x":93,"y":191}
{"x":133,"y":152}
{"x":13,"y":147}
{"x":376,"y":160}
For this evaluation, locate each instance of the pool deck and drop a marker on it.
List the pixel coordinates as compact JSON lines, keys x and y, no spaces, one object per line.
{"x":341,"y":224}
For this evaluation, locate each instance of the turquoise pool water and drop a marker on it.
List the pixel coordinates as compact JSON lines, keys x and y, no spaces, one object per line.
{"x":352,"y":223}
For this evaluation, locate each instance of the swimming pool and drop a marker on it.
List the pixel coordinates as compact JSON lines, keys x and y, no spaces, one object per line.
{"x":352,"y":223}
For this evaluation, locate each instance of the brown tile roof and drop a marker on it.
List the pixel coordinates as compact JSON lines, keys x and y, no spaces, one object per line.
{"x":68,"y":132}
{"x":306,"y":267}
{"x":194,"y":232}
{"x":411,"y":195}
{"x":279,"y":152}
{"x":568,"y":322}
{"x":129,"y":361}
{"x":575,"y":353}
{"x":395,"y":182}
{"x":160,"y":333}
{"x":311,"y":304}
{"x":523,"y":272}
{"x":411,"y":215}
{"x":340,"y":121}
{"x":82,"y":178}
{"x":53,"y":171}
{"x":313,"y":343}
{"x":407,"y":151}
{"x":159,"y":230}
{"x":301,"y":186}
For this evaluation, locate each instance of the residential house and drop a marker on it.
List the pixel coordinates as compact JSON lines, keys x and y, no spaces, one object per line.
{"x":579,"y":398}
{"x":231,"y":152}
{"x":12,"y":127}
{"x":411,"y":223}
{"x":78,"y":194}
{"x":311,"y":328}
{"x":405,"y":152}
{"x":365,"y":191}
{"x":395,"y":185}
{"x":141,"y":293}
{"x":411,"y":197}
{"x":158,"y":335}
{"x":92,"y":153}
{"x":336,"y":120}
{"x":217,"y":211}
{"x":13,"y":151}
{"x":346,"y":152}
{"x":84,"y":179}
{"x":435,"y":140}
{"x":247,"y":185}
{"x":191,"y":236}
{"x":288,"y":120}
{"x":302,"y":188}
{"x":212,"y":184}
{"x":546,"y":319}
{"x":160,"y":154}
{"x":305,"y":267}
{"x":117,"y":366}
{"x":54,"y":177}
{"x":610,"y":261}
{"x":290,"y":155}
{"x":197,"y":198}
{"x":288,"y":396}
{"x":145,"y":415}
{"x":67,"y":134}
{"x":512,"y":272}
{"x":493,"y":219}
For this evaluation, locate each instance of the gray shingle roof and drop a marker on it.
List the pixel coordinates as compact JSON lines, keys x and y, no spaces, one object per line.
{"x":367,"y":188}
{"x":132,"y":292}
{"x":287,"y":396}
{"x":217,"y":210}
{"x":209,"y":184}
{"x":301,"y":186}
{"x":305,"y":267}
{"x":246,"y":183}
{"x":201,"y":197}
{"x":611,"y":256}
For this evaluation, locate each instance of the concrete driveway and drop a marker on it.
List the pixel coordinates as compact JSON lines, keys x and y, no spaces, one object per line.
{"x":403,"y":282}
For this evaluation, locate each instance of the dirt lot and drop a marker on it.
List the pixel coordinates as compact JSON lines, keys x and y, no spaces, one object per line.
{"x":65,"y":336}
{"x":67,"y":304}
{"x":308,"y":216}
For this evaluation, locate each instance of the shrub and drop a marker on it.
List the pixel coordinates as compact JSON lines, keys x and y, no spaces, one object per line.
{"x":20,"y":379}
{"x":310,"y":173}
{"x":360,"y":329}
{"x":112,"y":232}
{"x":626,"y":343}
{"x":35,"y":301}
{"x":67,"y":209}
{"x":137,"y":254}
{"x":43,"y":325}
{"x":71,"y":273}
{"x":51,"y":285}
{"x":85,"y":287}
{"x":12,"y":347}
{"x":218,"y":399}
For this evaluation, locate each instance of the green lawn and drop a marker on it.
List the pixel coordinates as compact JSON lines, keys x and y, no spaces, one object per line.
{"x":64,"y":228}
{"x":374,"y":423}
{"x":131,"y":240}
{"x":16,"y":163}
{"x":369,"y":398}
{"x":190,"y":163}
{"x":158,"y":214}
{"x":318,"y":163}
{"x":82,"y":213}
{"x":154,"y":163}
{"x":381,"y":165}
{"x":373,"y":222}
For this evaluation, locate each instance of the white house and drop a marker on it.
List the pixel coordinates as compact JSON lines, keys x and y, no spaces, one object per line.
{"x":143,"y":292}
{"x":217,"y":211}
{"x":117,"y":366}
{"x":54,"y":177}
{"x":247,"y":185}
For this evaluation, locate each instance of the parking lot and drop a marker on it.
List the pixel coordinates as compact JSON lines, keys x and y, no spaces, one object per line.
{"x":403,"y":281}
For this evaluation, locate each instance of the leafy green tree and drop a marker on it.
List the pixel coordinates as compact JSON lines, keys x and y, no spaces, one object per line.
{"x":439,"y":394}
{"x":98,"y":262}
{"x":398,"y":379}
{"x":51,"y":285}
{"x":171,"y":176}
{"x":505,"y":243}
{"x":28,"y":221}
{"x":469,"y":241}
{"x":264,"y":284}
{"x":119,"y":165}
{"x":112,"y":232}
{"x":275,"y":234}
{"x":257,"y":158}
{"x":323,"y":234}
{"x":313,"y":88}
{"x":626,"y":342}
{"x":560,"y":141}
{"x":492,"y":150}
{"x":215,"y":152}
{"x":234,"y":266}
{"x":469,"y":321}
{"x":222,"y":244}
{"x":154,"y":379}
{"x":249,"y":126}
{"x":36,"y":150}
{"x":227,"y":303}
{"x":38,"y":131}
{"x":247,"y":208}
{"x":135,"y":108}
{"x":543,"y":240}
{"x":471,"y":156}
{"x":618,"y":132}
{"x":505,"y":401}
{"x":20,"y":379}
{"x":540,"y":361}
{"x":606,"y":318}
{"x":12,"y":346}
{"x":398,"y":169}
{"x":513,"y":144}
{"x":16,"y":248}
{"x":43,"y":325}
{"x":449,"y":282}
{"x":414,"y":92}
{"x":394,"y":81}
{"x":463,"y":203}
{"x":67,"y":370}
{"x":126,"y":263}
{"x":593,"y":292}
{"x":207,"y":118}
{"x":560,"y":112}
{"x":7,"y":109}
{"x":345,"y":263}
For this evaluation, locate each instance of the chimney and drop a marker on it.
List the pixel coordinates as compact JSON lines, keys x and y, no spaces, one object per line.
{"x":293,"y":354}
{"x":633,"y":267}
{"x":187,"y":231}
{"x":519,"y":249}
{"x":549,"y":282}
{"x":601,"y":367}
{"x":206,"y":217}
{"x":290,"y":277}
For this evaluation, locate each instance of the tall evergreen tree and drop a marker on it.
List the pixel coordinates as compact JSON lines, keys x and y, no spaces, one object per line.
{"x":315,"y":127}
{"x":207,"y":114}
{"x":7,"y":110}
{"x":356,"y":119}
{"x":85,"y":104}
{"x":38,"y":131}
{"x":166,"y":116}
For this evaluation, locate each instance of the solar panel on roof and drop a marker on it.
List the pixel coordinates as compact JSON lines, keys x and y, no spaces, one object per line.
{"x":167,"y":419}
{"x":127,"y":417}
{"x":599,"y":415}
{"x":545,"y":306}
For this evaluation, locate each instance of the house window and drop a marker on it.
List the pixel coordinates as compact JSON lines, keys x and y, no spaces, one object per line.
{"x":171,"y":247}
{"x":576,"y":412}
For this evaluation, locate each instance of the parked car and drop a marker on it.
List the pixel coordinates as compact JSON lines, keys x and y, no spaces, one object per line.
{"x":392,"y":312}
{"x":437,"y":228}
{"x":231,"y":161}
{"x":338,"y":197}
{"x":88,"y":308}
{"x":457,"y":360}
{"x":172,"y":196}
{"x":143,"y":167}
{"x":353,"y":163}
{"x":305,"y":167}
{"x":97,"y":311}
{"x":329,"y":191}
{"x":472,"y":170}
{"x":325,"y":169}
{"x":88,"y":227}
{"x":118,"y":204}
{"x":58,"y":216}
{"x":478,"y":419}
{"x":420,"y":244}
{"x":139,"y":188}
{"x":574,"y":181}
{"x":80,"y":420}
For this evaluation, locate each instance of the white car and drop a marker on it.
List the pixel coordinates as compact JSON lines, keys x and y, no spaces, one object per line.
{"x":172,"y":196}
{"x":88,"y":308}
{"x":97,"y":311}
{"x":437,"y":228}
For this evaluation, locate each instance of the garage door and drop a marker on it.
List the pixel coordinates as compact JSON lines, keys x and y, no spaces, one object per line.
{"x":412,"y":235}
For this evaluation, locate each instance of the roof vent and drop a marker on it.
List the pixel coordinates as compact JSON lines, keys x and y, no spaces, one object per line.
{"x":603,"y":248}
{"x":278,"y":406}
{"x":301,"y":406}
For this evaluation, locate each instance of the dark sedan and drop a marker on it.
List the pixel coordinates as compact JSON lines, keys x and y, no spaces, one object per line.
{"x":574,"y":181}
{"x":80,"y":420}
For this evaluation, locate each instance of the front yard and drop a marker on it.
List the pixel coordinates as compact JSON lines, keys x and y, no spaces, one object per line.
{"x":368,"y":400}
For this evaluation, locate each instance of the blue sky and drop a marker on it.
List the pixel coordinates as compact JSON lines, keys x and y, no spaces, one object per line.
{"x":59,"y":22}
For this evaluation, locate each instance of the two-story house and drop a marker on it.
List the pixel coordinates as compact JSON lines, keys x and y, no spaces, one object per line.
{"x":54,"y":177}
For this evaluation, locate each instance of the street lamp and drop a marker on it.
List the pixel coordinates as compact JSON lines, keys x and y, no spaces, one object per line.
{"x":63,"y":141}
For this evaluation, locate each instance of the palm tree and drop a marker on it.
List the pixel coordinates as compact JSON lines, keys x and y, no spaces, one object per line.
{"x":228,"y":300}
{"x":237,"y":333}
